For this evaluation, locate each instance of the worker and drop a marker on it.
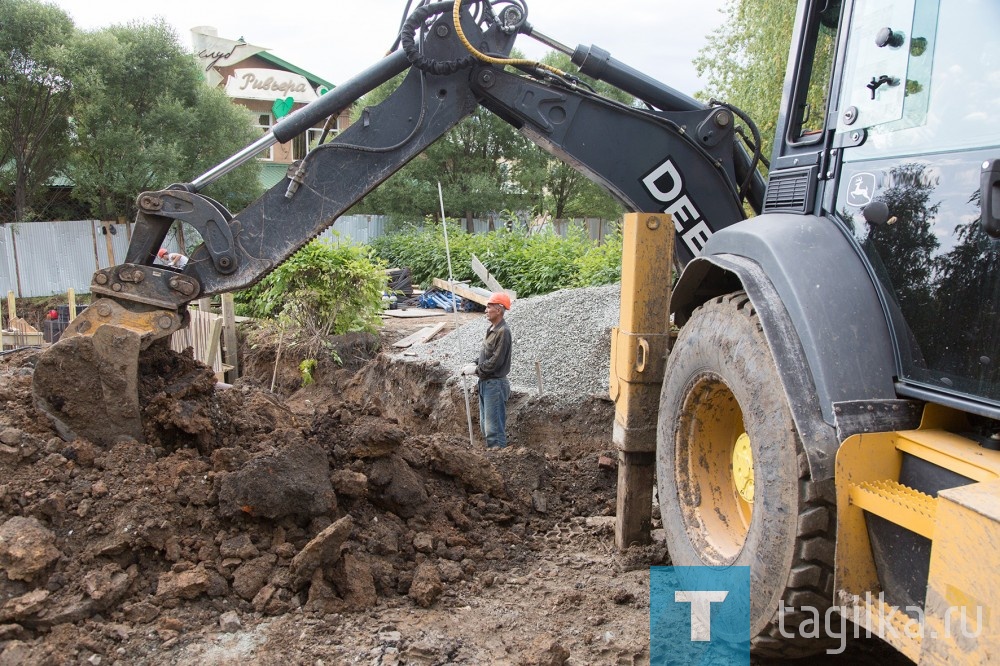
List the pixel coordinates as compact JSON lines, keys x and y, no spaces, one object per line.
{"x":492,"y":368}
{"x":175,"y":259}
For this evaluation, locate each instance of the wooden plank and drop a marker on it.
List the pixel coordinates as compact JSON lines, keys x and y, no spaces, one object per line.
{"x":212,"y":356}
{"x":231,"y":360}
{"x":463,"y":290}
{"x":633,"y":515}
{"x":414,"y":313}
{"x":411,"y":339}
{"x":491,"y":282}
{"x":15,"y":339}
{"x":202,"y":335}
{"x":430,"y":335}
{"x":108,"y":242}
{"x":19,"y":333}
{"x":21,"y":326}
{"x":479,"y":269}
{"x":423,"y":335}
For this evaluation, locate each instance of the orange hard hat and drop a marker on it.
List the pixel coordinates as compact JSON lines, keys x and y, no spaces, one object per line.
{"x":501,"y":298}
{"x":162,"y":253}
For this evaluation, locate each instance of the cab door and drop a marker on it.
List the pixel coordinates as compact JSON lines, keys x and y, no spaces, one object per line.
{"x":918,"y":128}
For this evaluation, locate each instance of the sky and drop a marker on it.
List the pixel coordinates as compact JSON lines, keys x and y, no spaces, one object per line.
{"x":336,"y":39}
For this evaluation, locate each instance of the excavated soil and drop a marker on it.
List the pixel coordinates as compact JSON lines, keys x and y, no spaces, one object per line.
{"x":351,"y":521}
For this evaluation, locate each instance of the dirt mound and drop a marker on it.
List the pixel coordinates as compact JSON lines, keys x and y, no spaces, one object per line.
{"x":235,"y":509}
{"x":352,"y":522}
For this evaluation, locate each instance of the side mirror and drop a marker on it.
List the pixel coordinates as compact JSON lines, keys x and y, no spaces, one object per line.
{"x":989,"y":198}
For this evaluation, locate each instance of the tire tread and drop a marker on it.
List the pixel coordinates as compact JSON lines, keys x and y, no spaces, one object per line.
{"x":810,"y":578}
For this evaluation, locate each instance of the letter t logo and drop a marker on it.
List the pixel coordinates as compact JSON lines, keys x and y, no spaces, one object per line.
{"x":701,"y":606}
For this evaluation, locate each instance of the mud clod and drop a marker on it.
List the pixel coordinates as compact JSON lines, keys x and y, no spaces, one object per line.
{"x":292,"y":481}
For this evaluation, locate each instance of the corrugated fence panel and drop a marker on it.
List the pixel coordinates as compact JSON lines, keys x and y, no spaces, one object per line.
{"x":54,"y":256}
{"x":356,"y":229}
{"x":8,"y":274}
{"x":597,"y":228}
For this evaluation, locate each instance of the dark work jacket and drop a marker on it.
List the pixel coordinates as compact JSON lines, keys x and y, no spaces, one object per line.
{"x":494,"y":356}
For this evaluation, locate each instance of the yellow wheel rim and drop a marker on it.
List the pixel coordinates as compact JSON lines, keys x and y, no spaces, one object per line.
{"x":714,"y":470}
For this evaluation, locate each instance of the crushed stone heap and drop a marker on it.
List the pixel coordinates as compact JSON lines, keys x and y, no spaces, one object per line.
{"x":567,"y":332}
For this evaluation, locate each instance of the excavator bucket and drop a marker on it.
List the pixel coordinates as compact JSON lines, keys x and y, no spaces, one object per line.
{"x":88,"y":383}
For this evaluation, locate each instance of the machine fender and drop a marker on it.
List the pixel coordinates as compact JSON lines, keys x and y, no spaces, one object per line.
{"x":820,"y":313}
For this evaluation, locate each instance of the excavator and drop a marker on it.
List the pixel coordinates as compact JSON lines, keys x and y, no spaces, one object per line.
{"x":821,"y":393}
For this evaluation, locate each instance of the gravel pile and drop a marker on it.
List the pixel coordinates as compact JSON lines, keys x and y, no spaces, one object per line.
{"x":567,"y":332}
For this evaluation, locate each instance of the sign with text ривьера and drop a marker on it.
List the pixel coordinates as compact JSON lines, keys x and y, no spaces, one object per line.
{"x":269,"y":84}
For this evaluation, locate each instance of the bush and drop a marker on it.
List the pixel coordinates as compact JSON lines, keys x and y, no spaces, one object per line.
{"x":601,"y":264}
{"x":528,"y":264}
{"x":422,"y":250}
{"x":323,"y":289}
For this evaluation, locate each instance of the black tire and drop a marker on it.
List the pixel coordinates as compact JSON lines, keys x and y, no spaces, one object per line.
{"x":720,"y":382}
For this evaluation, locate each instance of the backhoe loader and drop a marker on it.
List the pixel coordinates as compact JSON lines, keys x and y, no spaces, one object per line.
{"x":828,"y":414}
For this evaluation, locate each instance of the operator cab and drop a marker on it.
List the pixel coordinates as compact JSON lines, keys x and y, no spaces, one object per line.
{"x":905,"y":147}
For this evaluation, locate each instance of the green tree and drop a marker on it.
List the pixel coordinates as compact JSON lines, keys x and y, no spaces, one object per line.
{"x":323,"y":289}
{"x":35,"y":99}
{"x":146,"y":120}
{"x":476,"y":164}
{"x":744,"y":60}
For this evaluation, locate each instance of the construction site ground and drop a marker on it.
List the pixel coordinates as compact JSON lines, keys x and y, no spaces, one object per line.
{"x":347,"y":522}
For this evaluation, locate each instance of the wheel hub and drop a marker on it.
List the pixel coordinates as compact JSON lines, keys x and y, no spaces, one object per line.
{"x":743,"y":467}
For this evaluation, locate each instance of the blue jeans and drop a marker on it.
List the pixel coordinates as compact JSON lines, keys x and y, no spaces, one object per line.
{"x":493,"y":394}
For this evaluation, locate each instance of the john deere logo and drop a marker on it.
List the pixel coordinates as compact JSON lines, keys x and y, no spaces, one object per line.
{"x":861,"y":189}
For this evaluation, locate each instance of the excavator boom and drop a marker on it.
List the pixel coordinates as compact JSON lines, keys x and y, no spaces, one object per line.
{"x":673,"y":155}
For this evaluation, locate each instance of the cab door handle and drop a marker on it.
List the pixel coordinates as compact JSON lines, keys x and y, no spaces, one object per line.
{"x":989,"y":198}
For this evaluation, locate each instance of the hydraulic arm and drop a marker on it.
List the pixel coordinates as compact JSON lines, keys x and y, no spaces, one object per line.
{"x":671,"y":154}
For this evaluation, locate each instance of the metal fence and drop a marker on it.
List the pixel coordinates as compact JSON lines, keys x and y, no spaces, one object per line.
{"x":46,"y":258}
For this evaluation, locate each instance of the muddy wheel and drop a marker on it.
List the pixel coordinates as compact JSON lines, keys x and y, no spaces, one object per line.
{"x":734,"y":485}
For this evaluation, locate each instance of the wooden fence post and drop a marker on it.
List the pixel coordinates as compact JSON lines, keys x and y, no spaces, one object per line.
{"x":214,"y":331}
{"x":231,"y":355}
{"x":109,"y":245}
